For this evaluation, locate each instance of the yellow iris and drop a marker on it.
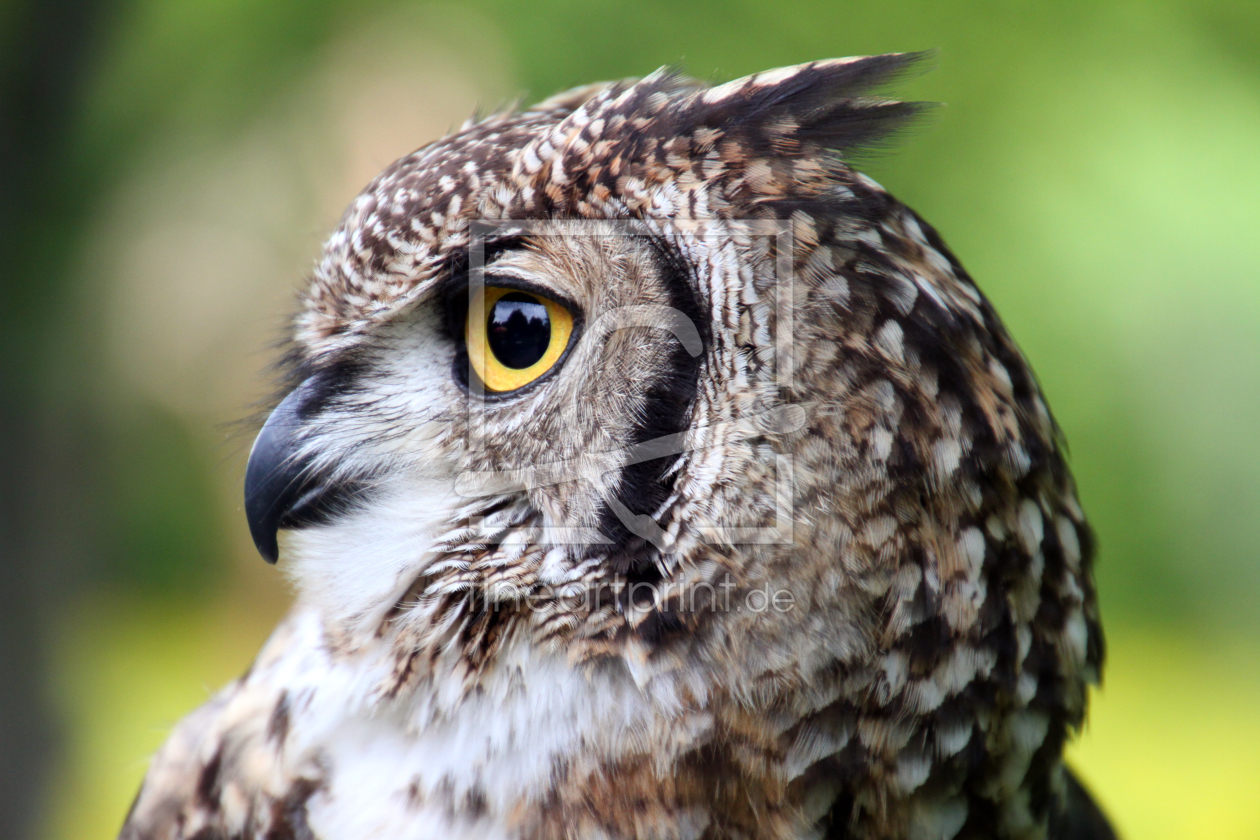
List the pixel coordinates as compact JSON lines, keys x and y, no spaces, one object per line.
{"x":514,"y":337}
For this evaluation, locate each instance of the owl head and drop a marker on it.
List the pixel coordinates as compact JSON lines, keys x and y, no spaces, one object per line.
{"x":649,"y":371}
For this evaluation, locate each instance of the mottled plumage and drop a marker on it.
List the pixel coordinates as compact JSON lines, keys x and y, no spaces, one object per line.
{"x":784,"y":545}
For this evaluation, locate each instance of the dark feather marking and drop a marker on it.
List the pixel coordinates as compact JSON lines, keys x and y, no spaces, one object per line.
{"x":288,"y":815}
{"x":926,"y":645}
{"x":278,"y":723}
{"x":209,"y":784}
{"x":644,"y":486}
{"x":1046,"y":761}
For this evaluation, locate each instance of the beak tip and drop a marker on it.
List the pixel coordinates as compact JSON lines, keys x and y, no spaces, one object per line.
{"x":271,"y":477}
{"x":268,"y":547}
{"x":263,"y":523}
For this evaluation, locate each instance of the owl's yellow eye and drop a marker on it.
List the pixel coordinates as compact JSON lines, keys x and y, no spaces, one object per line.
{"x":514,"y":337}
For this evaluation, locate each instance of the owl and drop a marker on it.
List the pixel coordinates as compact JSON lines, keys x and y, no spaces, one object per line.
{"x":643,"y":470}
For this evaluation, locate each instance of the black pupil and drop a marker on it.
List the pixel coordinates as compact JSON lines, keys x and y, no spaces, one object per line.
{"x":518,"y":330}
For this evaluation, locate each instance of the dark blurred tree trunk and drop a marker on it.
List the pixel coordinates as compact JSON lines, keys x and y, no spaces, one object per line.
{"x":50,"y":49}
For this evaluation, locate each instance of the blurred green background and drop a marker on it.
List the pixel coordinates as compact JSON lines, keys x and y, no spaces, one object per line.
{"x":169,"y":169}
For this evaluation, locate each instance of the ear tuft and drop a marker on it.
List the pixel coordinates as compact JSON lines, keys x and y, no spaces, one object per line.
{"x":825,"y":103}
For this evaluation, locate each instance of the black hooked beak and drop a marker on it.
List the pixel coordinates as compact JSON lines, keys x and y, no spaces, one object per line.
{"x":283,"y":489}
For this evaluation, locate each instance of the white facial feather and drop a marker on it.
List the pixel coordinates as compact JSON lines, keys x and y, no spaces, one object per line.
{"x":356,"y":569}
{"x":402,"y":764}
